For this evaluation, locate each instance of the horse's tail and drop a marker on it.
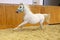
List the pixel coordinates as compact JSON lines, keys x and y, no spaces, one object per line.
{"x":47,"y":17}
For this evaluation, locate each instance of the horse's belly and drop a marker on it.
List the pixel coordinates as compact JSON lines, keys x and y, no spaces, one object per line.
{"x":34,"y":21}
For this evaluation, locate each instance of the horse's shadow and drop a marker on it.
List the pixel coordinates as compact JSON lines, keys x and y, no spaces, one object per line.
{"x":28,"y":29}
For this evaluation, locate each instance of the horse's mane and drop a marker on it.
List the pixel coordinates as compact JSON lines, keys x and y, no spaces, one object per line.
{"x":24,"y":4}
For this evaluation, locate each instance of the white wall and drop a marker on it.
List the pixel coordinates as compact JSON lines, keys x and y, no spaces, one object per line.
{"x":19,"y":1}
{"x":41,"y":2}
{"x":16,"y":1}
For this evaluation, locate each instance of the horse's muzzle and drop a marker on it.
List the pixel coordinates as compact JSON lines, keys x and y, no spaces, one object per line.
{"x":16,"y":11}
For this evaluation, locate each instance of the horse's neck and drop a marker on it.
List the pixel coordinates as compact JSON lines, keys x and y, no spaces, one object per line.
{"x":27,"y":10}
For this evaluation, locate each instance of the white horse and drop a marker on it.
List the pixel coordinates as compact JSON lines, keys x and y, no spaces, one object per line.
{"x":30,"y":17}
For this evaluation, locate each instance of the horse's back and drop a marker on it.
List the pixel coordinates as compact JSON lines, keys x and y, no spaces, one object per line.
{"x":40,"y":15}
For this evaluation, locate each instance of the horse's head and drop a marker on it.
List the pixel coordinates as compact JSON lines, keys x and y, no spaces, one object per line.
{"x":20,"y":8}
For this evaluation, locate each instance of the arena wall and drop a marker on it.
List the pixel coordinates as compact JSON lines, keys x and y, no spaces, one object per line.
{"x":10,"y":19}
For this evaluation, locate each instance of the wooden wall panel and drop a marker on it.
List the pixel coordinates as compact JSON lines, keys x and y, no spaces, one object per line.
{"x":2,"y":16}
{"x":11,"y":16}
{"x":37,"y":9}
{"x":54,"y":12}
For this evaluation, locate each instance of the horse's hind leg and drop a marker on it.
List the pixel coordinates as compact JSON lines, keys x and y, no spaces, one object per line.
{"x":41,"y":24}
{"x":20,"y":25}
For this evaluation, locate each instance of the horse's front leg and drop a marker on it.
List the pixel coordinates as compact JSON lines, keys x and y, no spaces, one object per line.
{"x":20,"y":25}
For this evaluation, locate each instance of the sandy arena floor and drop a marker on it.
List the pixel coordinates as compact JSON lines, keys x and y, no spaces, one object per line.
{"x":51,"y":32}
